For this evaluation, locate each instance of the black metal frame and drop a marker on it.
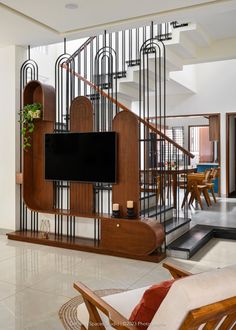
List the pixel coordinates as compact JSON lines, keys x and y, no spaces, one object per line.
{"x":28,"y":72}
{"x":103,"y":60}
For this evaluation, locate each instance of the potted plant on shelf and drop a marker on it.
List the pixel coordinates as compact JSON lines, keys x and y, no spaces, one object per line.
{"x":28,"y":114}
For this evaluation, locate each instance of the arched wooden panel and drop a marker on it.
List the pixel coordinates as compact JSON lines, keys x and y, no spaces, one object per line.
{"x":81,"y":118}
{"x":37,"y":192}
{"x":127,"y":187}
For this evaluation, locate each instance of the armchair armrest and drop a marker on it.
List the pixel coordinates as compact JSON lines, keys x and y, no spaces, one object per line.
{"x":176,"y":271}
{"x":95,"y":303}
{"x":117,"y":321}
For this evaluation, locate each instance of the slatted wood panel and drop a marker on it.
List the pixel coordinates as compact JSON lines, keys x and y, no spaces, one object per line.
{"x":127,"y":187}
{"x":81,"y":194}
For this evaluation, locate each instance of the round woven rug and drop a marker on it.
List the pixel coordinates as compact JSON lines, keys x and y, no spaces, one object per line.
{"x":68,"y":311}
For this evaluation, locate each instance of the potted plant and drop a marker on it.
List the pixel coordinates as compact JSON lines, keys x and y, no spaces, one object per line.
{"x":28,"y":114}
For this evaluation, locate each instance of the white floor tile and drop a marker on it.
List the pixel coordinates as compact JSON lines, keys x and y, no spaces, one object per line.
{"x":36,"y":280}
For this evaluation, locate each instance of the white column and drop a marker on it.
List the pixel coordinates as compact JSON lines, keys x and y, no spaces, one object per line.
{"x":11,"y":58}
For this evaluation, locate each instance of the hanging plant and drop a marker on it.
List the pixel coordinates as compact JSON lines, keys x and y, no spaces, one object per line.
{"x":28,"y":114}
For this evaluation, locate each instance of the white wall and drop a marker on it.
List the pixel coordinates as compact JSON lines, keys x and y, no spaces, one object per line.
{"x":216,"y":93}
{"x":9,"y":150}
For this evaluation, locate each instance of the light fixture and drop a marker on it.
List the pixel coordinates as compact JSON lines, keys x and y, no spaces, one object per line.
{"x":71,"y":6}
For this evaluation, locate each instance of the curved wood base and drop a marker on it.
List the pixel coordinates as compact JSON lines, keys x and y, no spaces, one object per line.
{"x":79,"y":244}
{"x":137,"y":237}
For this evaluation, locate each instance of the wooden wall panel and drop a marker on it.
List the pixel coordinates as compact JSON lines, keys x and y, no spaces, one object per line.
{"x":127,"y":187}
{"x":81,"y":194}
{"x":206,"y":153}
{"x":37,"y":192}
{"x":214,"y":128}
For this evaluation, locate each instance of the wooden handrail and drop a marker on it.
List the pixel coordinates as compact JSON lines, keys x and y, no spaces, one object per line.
{"x":80,"y":49}
{"x":123,"y":107}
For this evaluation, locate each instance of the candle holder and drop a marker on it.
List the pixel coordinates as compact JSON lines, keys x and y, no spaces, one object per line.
{"x":130,"y":213}
{"x":115,"y":213}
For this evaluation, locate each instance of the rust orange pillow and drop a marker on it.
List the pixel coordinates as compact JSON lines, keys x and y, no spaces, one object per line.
{"x":152,"y":298}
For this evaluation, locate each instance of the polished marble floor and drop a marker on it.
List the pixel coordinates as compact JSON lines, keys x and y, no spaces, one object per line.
{"x":223,"y":213}
{"x":36,"y":280}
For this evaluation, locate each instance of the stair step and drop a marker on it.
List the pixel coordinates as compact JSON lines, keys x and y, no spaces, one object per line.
{"x":192,"y":241}
{"x":175,"y":223}
{"x":153,"y":212}
{"x":133,"y":62}
{"x":147,"y":195}
{"x":119,"y":75}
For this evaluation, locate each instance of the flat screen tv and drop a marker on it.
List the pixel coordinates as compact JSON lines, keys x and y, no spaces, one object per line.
{"x":82,"y":157}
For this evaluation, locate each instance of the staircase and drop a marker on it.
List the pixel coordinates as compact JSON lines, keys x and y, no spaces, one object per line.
{"x":119,"y":77}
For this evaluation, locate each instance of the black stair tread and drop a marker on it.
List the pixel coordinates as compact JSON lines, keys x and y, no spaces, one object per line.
{"x":156,"y":210}
{"x":175,"y":223}
{"x":147,"y":195}
{"x":198,"y":236}
{"x":193,"y":240}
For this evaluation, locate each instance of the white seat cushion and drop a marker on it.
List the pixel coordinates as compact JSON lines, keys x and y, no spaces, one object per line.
{"x":192,"y":292}
{"x":123,"y":302}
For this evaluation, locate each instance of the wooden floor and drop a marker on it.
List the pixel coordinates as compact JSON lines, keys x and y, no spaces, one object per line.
{"x":77,"y":243}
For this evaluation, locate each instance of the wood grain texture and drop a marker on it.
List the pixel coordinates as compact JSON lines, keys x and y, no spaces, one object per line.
{"x":127,"y":188}
{"x":206,"y":152}
{"x":214,"y":128}
{"x":35,"y":91}
{"x":37,"y":192}
{"x":136,"y":237}
{"x":211,"y":315}
{"x":81,"y":194}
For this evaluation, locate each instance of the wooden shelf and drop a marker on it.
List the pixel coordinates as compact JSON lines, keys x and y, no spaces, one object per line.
{"x":80,"y":244}
{"x":37,"y":192}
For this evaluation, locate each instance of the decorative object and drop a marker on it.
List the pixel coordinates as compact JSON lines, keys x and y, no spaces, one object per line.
{"x":115,"y":210}
{"x":130,"y":210}
{"x":45,"y":228}
{"x":28,"y":114}
{"x":68,"y":311}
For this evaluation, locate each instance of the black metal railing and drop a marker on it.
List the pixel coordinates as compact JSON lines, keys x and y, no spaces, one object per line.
{"x":99,"y":64}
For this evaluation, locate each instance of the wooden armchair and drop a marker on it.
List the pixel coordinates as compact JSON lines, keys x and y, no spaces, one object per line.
{"x":220,"y":314}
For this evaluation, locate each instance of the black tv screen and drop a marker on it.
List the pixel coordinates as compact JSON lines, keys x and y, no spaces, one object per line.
{"x":82,"y":157}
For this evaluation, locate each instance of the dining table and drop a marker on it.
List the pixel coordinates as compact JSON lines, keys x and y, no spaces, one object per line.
{"x":174,"y":172}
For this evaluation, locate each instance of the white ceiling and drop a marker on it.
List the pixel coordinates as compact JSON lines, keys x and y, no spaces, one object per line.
{"x":46,"y":21}
{"x":91,"y":12}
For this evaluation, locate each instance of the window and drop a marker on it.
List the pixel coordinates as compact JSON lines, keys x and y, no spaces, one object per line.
{"x":170,"y":152}
{"x":176,"y":133}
